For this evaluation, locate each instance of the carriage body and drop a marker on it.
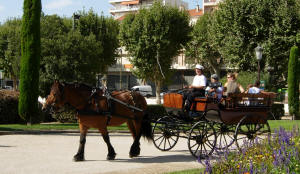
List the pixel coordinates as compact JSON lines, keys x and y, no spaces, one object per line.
{"x":236,"y":116}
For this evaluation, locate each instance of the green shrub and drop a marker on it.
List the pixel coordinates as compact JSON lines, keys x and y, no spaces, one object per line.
{"x":277,"y":110}
{"x":67,"y":116}
{"x":9,"y":107}
{"x":293,"y":82}
{"x":156,"y":111}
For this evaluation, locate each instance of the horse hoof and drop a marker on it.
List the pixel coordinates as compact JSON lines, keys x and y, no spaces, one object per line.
{"x":77,"y":158}
{"x":132,"y":155}
{"x":111,"y":157}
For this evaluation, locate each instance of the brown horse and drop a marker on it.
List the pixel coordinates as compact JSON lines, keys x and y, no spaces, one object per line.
{"x":97,"y":112}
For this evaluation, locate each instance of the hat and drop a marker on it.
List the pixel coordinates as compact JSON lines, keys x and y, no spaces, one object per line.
{"x":214,"y":76}
{"x":198,"y":66}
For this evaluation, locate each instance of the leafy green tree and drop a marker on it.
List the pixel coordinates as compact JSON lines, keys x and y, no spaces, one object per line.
{"x":106,"y":31}
{"x":30,"y":61}
{"x":239,"y":26}
{"x":153,"y":37}
{"x":77,"y":55}
{"x":10,"y":48}
{"x":200,"y":47}
{"x":293,"y":82}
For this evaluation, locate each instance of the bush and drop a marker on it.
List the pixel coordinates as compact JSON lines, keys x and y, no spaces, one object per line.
{"x":277,"y":110}
{"x":156,"y":111}
{"x":293,"y":81}
{"x":9,"y":107}
{"x":67,"y":116}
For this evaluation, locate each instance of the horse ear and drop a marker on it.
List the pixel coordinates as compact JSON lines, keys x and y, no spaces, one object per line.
{"x":56,"y":81}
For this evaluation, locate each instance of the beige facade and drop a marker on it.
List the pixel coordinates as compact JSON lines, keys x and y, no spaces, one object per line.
{"x":210,"y":5}
{"x":123,"y":7}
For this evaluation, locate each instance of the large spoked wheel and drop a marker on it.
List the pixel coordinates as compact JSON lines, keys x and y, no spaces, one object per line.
{"x":165,"y":133}
{"x":247,"y":133}
{"x":225,"y":136}
{"x":202,"y":140}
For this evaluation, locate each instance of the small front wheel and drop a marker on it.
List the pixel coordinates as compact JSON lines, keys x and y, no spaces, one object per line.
{"x":202,"y":140}
{"x":165,"y":133}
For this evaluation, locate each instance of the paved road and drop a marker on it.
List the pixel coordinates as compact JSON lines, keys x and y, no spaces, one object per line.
{"x":52,"y":153}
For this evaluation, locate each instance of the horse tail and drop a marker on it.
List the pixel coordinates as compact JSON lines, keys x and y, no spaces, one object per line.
{"x":146,"y":128}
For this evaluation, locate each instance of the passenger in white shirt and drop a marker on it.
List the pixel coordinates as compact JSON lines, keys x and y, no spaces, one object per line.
{"x":197,"y":88}
{"x":255,"y":89}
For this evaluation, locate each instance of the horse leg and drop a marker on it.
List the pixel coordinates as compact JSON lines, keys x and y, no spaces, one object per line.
{"x":135,"y":147}
{"x":131,"y":128}
{"x":111,"y":152}
{"x":80,"y":153}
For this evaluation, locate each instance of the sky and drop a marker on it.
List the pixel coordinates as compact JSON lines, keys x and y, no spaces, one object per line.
{"x":14,"y":8}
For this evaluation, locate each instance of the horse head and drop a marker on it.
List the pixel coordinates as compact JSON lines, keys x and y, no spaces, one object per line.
{"x":55,"y":100}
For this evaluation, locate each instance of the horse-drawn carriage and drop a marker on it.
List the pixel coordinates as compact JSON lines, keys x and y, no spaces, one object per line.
{"x":213,"y":125}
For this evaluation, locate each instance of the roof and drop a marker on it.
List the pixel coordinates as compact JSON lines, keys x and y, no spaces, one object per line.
{"x":195,"y":12}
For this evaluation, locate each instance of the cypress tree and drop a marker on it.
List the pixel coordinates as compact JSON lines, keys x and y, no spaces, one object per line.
{"x":30,"y":61}
{"x":293,"y":82}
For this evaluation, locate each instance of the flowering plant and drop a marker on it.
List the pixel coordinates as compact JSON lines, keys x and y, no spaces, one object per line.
{"x":277,"y":154}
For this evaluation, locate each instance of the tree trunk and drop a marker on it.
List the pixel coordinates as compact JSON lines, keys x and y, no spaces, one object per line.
{"x":216,"y":67}
{"x":158,"y":85}
{"x":14,"y":83}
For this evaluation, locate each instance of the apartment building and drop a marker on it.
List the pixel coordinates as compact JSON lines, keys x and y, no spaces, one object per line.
{"x":210,"y":5}
{"x":123,"y":7}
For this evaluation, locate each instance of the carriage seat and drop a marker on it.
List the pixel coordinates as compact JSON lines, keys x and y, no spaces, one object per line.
{"x":245,"y":100}
{"x":199,"y":104}
{"x":175,"y":101}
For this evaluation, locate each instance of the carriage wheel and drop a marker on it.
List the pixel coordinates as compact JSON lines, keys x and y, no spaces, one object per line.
{"x":202,"y":139}
{"x":247,"y":134}
{"x":225,"y":136}
{"x":165,"y":133}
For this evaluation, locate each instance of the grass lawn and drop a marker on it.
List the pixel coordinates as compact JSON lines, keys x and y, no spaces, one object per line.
{"x":286,"y":124}
{"x":50,"y":126}
{"x":274,"y":124}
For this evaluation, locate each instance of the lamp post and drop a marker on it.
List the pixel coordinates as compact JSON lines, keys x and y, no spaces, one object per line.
{"x":258,"y":53}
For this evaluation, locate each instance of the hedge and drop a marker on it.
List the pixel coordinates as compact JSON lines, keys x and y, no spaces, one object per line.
{"x":9,"y":109}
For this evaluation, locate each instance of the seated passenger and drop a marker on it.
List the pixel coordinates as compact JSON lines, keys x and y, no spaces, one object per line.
{"x":255,"y":89}
{"x":232,"y":86}
{"x":215,"y":88}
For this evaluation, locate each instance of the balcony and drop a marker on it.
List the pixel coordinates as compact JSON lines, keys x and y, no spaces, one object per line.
{"x":124,"y":9}
{"x":118,"y":1}
{"x":211,"y":2}
{"x":129,"y":8}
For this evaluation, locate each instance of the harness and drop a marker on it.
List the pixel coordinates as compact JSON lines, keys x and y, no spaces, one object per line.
{"x":110,"y":104}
